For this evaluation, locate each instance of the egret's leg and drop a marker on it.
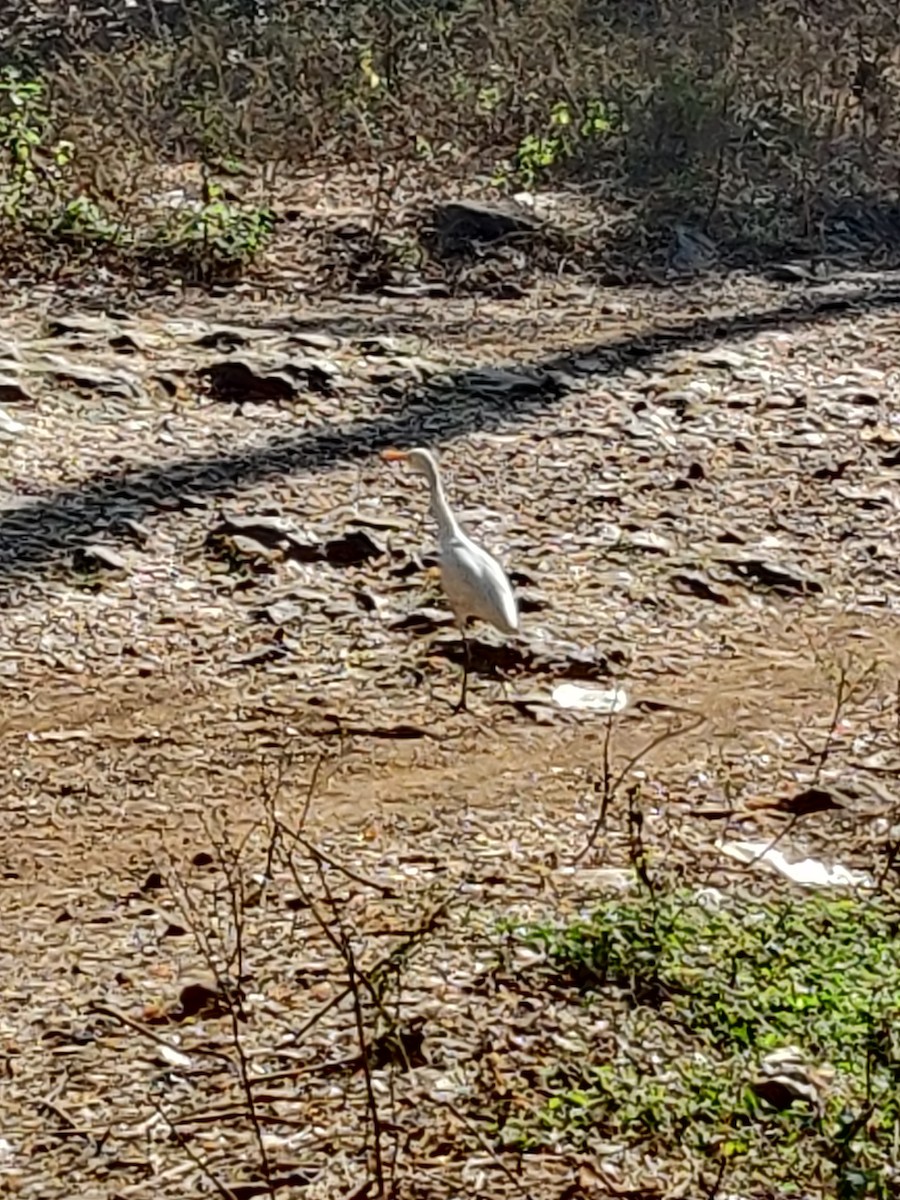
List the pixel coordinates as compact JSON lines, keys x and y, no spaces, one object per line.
{"x":461,"y":703}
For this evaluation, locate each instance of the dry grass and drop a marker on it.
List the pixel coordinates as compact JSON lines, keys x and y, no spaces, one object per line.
{"x":762,"y":128}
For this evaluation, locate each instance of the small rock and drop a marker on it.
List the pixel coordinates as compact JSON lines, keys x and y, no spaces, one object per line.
{"x":166,"y":382}
{"x":512,"y":385}
{"x":317,"y":375}
{"x":785,"y":1076}
{"x":781,"y":578}
{"x":423,"y":621}
{"x":721,"y":357}
{"x":300,"y":551}
{"x":788,"y":272}
{"x":80,"y":324}
{"x":236,"y":380}
{"x":173,"y":1057}
{"x":352,"y":549}
{"x":12,"y":391}
{"x":282,"y":612}
{"x":98,"y":558}
{"x":95,"y":379}
{"x":855,"y":395}
{"x":248,"y":547}
{"x":604,"y":700}
{"x":648,"y":539}
{"x":693,"y":583}
{"x":202,"y":998}
{"x":461,"y":222}
{"x":127,"y":527}
{"x":9,"y":426}
{"x":268,"y":531}
{"x":315,"y":341}
{"x":124,"y":343}
{"x":222,"y":336}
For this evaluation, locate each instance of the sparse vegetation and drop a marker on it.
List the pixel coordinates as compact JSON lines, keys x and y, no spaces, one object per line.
{"x":44,"y":208}
{"x":698,"y":988}
{"x":766,"y":130}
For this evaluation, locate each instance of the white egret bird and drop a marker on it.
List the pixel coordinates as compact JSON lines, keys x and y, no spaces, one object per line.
{"x":474,"y":582}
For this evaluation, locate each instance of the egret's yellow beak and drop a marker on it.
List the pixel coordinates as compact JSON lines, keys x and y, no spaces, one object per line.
{"x":394,"y":455}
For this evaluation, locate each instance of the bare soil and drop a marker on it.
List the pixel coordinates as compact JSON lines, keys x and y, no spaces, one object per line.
{"x":696,"y":487}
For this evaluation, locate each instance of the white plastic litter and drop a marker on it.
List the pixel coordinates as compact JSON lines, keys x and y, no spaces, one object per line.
{"x":809,"y":872}
{"x":604,"y":700}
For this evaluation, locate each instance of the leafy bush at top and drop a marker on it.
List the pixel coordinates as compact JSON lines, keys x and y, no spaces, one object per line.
{"x":40,"y":196}
{"x":744,"y":115}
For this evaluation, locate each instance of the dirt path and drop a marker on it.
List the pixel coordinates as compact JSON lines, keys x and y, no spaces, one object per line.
{"x":643,"y":505}
{"x":102,"y":778}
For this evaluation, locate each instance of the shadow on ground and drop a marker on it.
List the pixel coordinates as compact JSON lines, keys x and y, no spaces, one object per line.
{"x":42,"y":534}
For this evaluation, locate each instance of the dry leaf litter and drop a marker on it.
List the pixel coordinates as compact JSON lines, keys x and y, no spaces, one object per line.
{"x":219,"y":613}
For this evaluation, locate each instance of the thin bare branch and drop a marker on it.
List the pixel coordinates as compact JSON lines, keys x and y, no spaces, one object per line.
{"x":666,"y":736}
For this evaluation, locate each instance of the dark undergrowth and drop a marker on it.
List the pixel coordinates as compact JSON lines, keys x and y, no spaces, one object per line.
{"x":191,"y":142}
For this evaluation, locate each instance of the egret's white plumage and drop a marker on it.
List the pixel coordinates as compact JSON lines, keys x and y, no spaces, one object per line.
{"x":474,"y":582}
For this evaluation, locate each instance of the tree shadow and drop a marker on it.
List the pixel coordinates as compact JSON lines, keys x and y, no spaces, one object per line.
{"x":661,"y":237}
{"x":42,"y":535}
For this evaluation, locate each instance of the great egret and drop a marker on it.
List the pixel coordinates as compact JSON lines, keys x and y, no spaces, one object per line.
{"x":474,"y":582}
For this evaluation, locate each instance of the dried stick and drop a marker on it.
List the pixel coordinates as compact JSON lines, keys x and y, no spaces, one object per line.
{"x":230,"y":997}
{"x":371,"y":1100}
{"x":610,"y":790}
{"x":193,"y":1156}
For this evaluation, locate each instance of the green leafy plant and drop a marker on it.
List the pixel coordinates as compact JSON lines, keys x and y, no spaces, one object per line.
{"x":84,"y":220}
{"x":566,"y":135}
{"x":30,"y":165}
{"x":218,"y":230}
{"x":699,"y":995}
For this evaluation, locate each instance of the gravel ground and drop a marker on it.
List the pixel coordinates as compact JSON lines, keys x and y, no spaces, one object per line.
{"x":222,"y":625}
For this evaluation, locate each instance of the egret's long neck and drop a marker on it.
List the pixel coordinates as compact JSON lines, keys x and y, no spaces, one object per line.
{"x":440,"y":509}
